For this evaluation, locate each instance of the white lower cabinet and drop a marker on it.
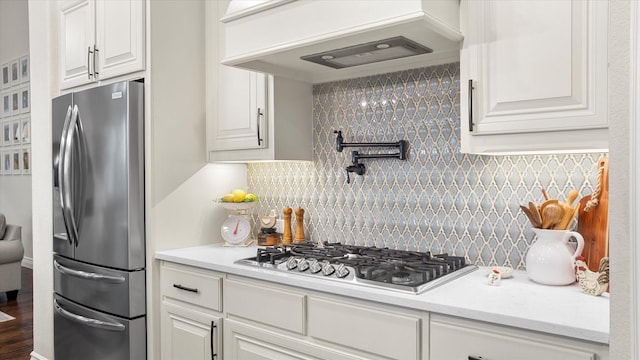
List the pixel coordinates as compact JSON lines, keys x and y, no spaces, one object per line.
{"x":270,"y":321}
{"x":191,"y":317}
{"x":188,"y":334}
{"x":454,"y":338}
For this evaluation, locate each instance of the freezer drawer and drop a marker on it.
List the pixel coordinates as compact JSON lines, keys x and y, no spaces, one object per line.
{"x":116,"y":292}
{"x":82,"y":333}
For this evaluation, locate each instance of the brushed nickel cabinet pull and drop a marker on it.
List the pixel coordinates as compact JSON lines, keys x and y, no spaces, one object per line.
{"x":258,"y":118}
{"x":95,"y":54}
{"x":470,"y":105}
{"x":89,"y":73}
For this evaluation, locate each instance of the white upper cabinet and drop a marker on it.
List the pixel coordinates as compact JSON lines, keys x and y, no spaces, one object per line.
{"x":534,"y":76}
{"x":252,"y":116}
{"x":99,"y":39}
{"x":240,"y":122}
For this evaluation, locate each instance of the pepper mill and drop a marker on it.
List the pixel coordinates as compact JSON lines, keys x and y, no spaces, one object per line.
{"x":299,"y":225}
{"x":286,"y":236}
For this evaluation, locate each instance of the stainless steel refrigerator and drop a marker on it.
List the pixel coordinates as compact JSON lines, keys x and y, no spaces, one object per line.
{"x":98,"y":223}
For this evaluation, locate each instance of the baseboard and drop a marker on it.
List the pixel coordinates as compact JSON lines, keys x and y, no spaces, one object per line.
{"x":36,"y":356}
{"x":27,"y":262}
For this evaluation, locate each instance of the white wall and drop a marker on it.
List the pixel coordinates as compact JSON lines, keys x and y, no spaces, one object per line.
{"x":620,"y":238}
{"x":15,"y":190}
{"x":43,"y":73}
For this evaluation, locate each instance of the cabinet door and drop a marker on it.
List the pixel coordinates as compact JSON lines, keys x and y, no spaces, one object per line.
{"x":240,"y":95}
{"x":76,"y":35}
{"x":242,"y":99}
{"x":189,"y":334}
{"x":120,"y":31}
{"x":533,"y":66}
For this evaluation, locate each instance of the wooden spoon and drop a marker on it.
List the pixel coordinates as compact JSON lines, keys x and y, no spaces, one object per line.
{"x":569,"y":211}
{"x":536,"y":214}
{"x":531,"y":216}
{"x":546,"y":203}
{"x":572,"y":196}
{"x":551,"y":215}
{"x":544,"y":193}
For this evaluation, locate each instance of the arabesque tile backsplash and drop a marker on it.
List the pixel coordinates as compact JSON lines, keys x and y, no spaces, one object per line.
{"x":438,"y":199}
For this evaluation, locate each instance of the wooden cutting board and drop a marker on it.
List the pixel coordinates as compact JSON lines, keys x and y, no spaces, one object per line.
{"x":593,"y":224}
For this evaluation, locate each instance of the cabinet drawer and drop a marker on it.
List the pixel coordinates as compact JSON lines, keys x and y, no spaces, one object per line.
{"x":376,"y":331}
{"x":267,"y":305}
{"x":456,"y":341}
{"x":197,"y":286}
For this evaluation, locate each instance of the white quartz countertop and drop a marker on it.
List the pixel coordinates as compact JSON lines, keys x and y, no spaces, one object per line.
{"x":517,"y":301}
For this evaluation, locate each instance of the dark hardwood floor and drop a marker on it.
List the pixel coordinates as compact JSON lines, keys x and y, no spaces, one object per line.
{"x":16,"y":336}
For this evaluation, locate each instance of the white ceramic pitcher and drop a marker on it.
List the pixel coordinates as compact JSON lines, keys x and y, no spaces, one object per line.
{"x":551,"y":259}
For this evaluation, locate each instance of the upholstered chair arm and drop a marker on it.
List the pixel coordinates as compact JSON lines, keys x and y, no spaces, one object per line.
{"x":11,"y":248}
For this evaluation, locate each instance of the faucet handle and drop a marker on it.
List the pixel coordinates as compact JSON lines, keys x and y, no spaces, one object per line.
{"x":355,"y":168}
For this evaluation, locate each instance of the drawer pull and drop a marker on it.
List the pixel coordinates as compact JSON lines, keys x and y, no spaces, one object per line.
{"x":178,"y":286}
{"x":477,"y":358}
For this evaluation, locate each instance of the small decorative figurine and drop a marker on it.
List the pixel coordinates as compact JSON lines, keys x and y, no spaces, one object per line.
{"x":592,"y":283}
{"x":494,"y":277}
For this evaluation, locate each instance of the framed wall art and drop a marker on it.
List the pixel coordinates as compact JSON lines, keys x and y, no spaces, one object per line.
{"x":16,"y":126}
{"x":6,"y":162}
{"x":24,"y":68}
{"x":17,"y":162}
{"x":6,"y":104}
{"x":6,"y":133}
{"x":5,"y":77}
{"x":15,"y":72}
{"x":25,"y":99}
{"x":15,"y":102}
{"x":26,"y":160}
{"x":25,"y":131}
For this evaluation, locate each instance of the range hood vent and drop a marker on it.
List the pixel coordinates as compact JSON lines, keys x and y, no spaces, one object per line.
{"x":325,"y":40}
{"x":373,"y":52}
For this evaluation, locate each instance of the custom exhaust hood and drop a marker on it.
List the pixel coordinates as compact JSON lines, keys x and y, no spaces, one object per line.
{"x":325,"y":40}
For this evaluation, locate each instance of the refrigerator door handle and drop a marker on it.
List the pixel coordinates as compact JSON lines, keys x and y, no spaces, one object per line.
{"x":87,"y":321}
{"x":88,"y":275}
{"x":69,"y":180}
{"x":60,"y":172}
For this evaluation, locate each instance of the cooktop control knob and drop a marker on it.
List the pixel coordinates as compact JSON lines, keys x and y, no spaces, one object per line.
{"x":342,"y":271}
{"x":303,"y":265}
{"x":292,"y":263}
{"x":314,"y":266}
{"x":328,"y":269}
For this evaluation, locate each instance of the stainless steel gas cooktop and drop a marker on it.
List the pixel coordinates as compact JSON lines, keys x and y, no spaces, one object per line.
{"x":404,"y":271}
